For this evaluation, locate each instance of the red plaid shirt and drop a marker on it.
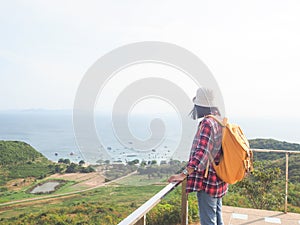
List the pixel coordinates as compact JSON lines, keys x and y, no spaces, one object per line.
{"x":207,"y":138}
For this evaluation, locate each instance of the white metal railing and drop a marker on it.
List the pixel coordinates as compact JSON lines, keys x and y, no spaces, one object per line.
{"x":287,"y":153}
{"x":138,"y":217}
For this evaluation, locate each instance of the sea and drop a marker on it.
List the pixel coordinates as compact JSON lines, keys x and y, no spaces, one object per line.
{"x":52,"y":133}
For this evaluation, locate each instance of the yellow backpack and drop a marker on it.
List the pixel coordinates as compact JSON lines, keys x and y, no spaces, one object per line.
{"x":237,"y":158}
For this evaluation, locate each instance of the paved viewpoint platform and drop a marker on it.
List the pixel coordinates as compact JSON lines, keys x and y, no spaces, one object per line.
{"x":243,"y":216}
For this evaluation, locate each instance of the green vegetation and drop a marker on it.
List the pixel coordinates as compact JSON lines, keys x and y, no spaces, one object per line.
{"x":16,"y":152}
{"x":106,"y":205}
{"x":61,"y":183}
{"x":115,"y":171}
{"x":168,"y":211}
{"x":278,"y":159}
{"x":294,"y":165}
{"x":263,"y":189}
{"x":153,"y":174}
{"x":101,"y":206}
{"x":23,"y":193}
{"x":20,"y":160}
{"x":271,"y":144}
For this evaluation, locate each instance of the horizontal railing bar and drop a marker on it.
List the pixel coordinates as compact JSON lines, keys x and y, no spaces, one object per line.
{"x":276,"y":151}
{"x":134,"y":217}
{"x":147,"y":206}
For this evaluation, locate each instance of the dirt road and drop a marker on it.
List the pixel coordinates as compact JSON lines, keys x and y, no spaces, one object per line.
{"x":90,"y":181}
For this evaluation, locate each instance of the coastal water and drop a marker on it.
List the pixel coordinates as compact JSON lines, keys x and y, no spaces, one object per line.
{"x":51,"y":133}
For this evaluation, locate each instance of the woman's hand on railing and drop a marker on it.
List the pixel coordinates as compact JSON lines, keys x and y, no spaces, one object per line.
{"x":177,"y":178}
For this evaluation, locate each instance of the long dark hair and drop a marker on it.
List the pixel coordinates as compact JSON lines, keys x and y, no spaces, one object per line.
{"x":201,"y":111}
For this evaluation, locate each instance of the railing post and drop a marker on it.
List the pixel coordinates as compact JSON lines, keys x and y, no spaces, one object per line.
{"x":184,"y":204}
{"x":286,"y":181}
{"x":142,"y":221}
{"x":139,"y":215}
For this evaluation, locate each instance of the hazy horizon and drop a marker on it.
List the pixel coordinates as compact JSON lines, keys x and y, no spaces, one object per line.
{"x":282,"y":129}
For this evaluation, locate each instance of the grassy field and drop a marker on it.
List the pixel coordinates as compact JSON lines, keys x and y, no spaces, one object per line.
{"x":115,"y":202}
{"x":21,"y":194}
{"x":18,"y":190}
{"x":103,"y":205}
{"x":142,"y":180}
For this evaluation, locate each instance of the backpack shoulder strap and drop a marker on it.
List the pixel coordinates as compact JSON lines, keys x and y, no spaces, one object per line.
{"x":210,"y":158}
{"x":218,"y":119}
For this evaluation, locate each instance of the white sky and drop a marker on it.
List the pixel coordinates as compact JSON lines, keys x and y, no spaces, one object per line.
{"x":252,"y":47}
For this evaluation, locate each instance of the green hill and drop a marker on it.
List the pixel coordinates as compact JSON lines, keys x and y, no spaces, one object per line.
{"x":278,"y":159}
{"x":17,"y":152}
{"x":271,"y":144}
{"x":294,"y":165}
{"x":20,"y":160}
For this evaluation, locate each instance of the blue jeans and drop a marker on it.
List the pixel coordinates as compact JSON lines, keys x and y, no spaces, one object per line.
{"x":210,"y":209}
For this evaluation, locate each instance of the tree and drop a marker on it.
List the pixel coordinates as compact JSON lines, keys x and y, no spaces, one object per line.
{"x":58,"y":169}
{"x":81,"y":162}
{"x":174,"y":162}
{"x":88,"y":169}
{"x":262,"y":187}
{"x":153,"y":162}
{"x":143,"y":163}
{"x":72,"y":168}
{"x":133,"y":162}
{"x":67,"y":161}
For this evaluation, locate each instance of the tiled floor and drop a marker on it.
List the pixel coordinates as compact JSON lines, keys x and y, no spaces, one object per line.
{"x":243,"y":216}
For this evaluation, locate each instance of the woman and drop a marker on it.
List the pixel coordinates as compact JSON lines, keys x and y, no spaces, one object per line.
{"x":200,"y":174}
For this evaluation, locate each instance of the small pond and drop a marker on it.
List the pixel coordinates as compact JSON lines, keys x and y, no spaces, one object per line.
{"x":45,"y":187}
